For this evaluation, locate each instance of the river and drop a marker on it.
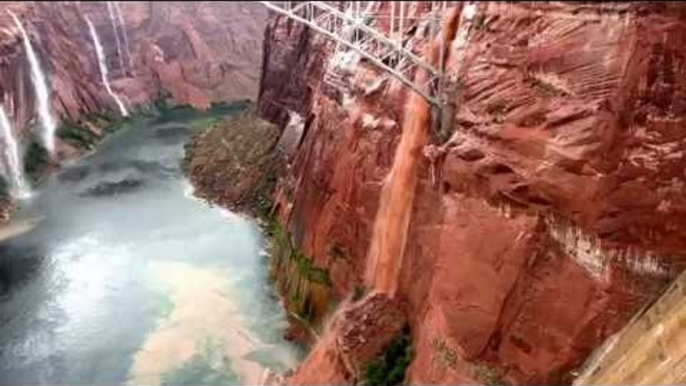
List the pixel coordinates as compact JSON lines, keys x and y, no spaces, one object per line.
{"x":129,"y":279}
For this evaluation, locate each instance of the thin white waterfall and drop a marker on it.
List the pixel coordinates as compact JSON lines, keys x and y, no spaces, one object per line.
{"x":110,"y":12}
{"x":103,"y":67}
{"x":42,"y":91}
{"x":124,"y":33}
{"x":11,"y":158}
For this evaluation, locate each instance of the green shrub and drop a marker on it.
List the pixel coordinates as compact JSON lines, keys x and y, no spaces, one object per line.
{"x":77,"y":135}
{"x":389,"y":368}
{"x":101,"y":118}
{"x":205,"y":123}
{"x":273,"y":227}
{"x":359,"y":292}
{"x":306,"y":267}
{"x":4,"y":188}
{"x":298,"y":304}
{"x":262,"y":201}
{"x":310,"y":271}
{"x":225,"y":108}
{"x":488,"y":375}
{"x":35,"y":159}
{"x":162,"y":105}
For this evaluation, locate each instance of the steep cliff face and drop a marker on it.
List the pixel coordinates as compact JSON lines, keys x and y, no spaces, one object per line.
{"x":198,"y":52}
{"x":547,"y":210}
{"x":201,"y":52}
{"x":292,"y":67}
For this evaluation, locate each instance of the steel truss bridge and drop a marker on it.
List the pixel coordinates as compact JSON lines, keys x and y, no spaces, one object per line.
{"x":350,"y":24}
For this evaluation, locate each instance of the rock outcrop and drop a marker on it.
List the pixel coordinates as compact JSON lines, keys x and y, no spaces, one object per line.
{"x":235,"y":162}
{"x":549,"y":208}
{"x":353,"y":338}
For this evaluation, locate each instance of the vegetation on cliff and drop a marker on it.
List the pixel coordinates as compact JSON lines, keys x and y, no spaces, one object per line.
{"x":82,"y":134}
{"x":77,"y":135}
{"x":36,"y":161}
{"x":389,"y":367}
{"x":305,"y":286}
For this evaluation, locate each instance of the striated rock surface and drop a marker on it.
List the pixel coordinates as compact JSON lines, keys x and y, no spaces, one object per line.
{"x":201,"y":52}
{"x":549,"y":206}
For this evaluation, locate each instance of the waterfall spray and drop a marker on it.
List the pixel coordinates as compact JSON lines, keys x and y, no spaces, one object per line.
{"x":116,"y":35}
{"x":103,"y":68}
{"x":42,"y":92}
{"x":11,"y":159}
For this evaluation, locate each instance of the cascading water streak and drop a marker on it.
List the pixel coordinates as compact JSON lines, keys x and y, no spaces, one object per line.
{"x":11,"y":158}
{"x":110,"y":12}
{"x":42,"y":92}
{"x":103,"y":67}
{"x":122,"y":25}
{"x":392,"y":222}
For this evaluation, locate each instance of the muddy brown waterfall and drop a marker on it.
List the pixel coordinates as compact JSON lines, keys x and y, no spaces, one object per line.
{"x":395,"y":204}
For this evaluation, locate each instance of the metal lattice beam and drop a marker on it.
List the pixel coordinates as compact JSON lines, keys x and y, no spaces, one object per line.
{"x":349,"y":29}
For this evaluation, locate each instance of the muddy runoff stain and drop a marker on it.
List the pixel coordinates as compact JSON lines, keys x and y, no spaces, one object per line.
{"x":203,"y":336}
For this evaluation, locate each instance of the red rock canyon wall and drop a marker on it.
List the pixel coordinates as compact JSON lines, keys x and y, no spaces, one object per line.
{"x":550,"y":214}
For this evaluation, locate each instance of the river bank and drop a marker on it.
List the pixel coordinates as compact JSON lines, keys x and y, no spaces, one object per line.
{"x":128,"y":278}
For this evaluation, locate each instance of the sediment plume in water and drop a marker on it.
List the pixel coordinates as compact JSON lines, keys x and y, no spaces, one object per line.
{"x":202,"y":308}
{"x":41,"y":87}
{"x":102,"y":63}
{"x":11,"y":158}
{"x":392,"y":221}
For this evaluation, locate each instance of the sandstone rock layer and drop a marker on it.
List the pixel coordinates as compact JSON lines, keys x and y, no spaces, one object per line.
{"x":549,"y":213}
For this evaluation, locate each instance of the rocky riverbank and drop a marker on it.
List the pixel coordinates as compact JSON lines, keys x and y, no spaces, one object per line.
{"x":235,"y":162}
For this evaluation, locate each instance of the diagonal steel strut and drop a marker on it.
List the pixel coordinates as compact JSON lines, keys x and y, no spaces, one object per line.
{"x":368,"y":42}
